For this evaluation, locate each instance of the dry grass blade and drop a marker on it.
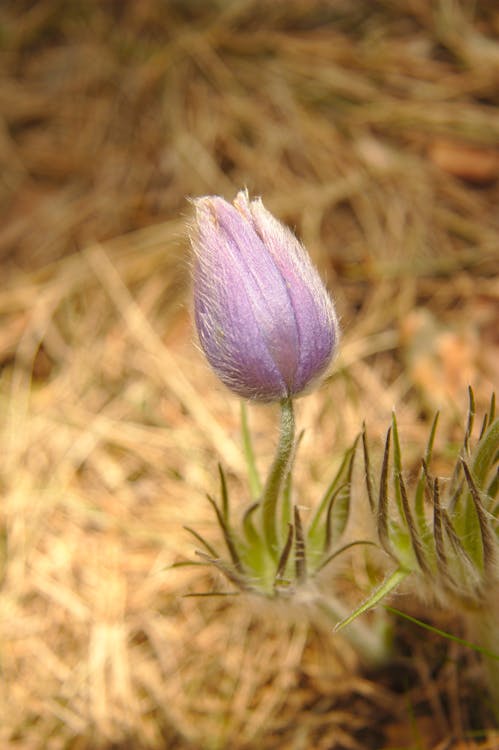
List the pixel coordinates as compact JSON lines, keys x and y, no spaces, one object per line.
{"x":146,"y":338}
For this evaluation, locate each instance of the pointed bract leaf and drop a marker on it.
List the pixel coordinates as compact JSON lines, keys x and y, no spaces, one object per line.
{"x":250,"y":532}
{"x":211,"y":550}
{"x":227,"y":534}
{"x":337,"y":515}
{"x":488,"y":539}
{"x":367,"y":468}
{"x":280,"y":580}
{"x":454,"y":539}
{"x":493,"y":489}
{"x":420,"y":488}
{"x":471,"y":419}
{"x":394,"y":580}
{"x":417,"y":543}
{"x":492,"y":408}
{"x":382,"y":517}
{"x":437,"y":530}
{"x":224,"y":494}
{"x":230,"y":573}
{"x":397,"y":463}
{"x":486,"y":454}
{"x":300,"y":549}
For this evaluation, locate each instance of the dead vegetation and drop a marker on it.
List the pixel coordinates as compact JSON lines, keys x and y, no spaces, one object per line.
{"x":372,"y":128}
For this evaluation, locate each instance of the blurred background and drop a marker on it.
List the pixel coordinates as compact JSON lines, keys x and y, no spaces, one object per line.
{"x":372,"y":129}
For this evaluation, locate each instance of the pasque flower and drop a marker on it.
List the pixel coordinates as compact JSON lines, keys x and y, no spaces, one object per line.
{"x":264,"y":318}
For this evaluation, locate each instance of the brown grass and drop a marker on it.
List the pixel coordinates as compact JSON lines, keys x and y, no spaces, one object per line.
{"x":372,"y":128}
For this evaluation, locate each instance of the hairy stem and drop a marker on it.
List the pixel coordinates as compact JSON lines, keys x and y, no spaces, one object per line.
{"x":277,"y":476}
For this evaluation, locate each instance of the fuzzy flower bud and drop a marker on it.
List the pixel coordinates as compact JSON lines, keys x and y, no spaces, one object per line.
{"x":264,"y":318}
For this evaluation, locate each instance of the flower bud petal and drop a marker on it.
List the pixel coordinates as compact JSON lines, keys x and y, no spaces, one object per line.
{"x":265,"y":320}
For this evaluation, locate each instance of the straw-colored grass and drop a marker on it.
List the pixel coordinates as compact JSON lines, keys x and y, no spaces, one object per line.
{"x":370,"y":127}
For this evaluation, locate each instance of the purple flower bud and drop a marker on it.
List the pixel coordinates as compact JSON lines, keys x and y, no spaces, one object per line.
{"x":265,"y":320}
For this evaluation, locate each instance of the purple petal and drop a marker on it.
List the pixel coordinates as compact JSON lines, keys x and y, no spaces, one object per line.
{"x":264,"y":319}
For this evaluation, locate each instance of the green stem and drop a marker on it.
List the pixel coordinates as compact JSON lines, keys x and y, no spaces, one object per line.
{"x":277,"y":476}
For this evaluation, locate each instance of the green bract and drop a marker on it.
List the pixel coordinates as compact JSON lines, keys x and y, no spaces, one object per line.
{"x":445,"y":532}
{"x":275,"y":564}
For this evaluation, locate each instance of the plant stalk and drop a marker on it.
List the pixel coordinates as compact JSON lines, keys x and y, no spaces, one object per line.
{"x":277,"y":477}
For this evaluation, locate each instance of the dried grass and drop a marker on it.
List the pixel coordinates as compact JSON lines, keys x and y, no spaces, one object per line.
{"x":355,"y":120}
